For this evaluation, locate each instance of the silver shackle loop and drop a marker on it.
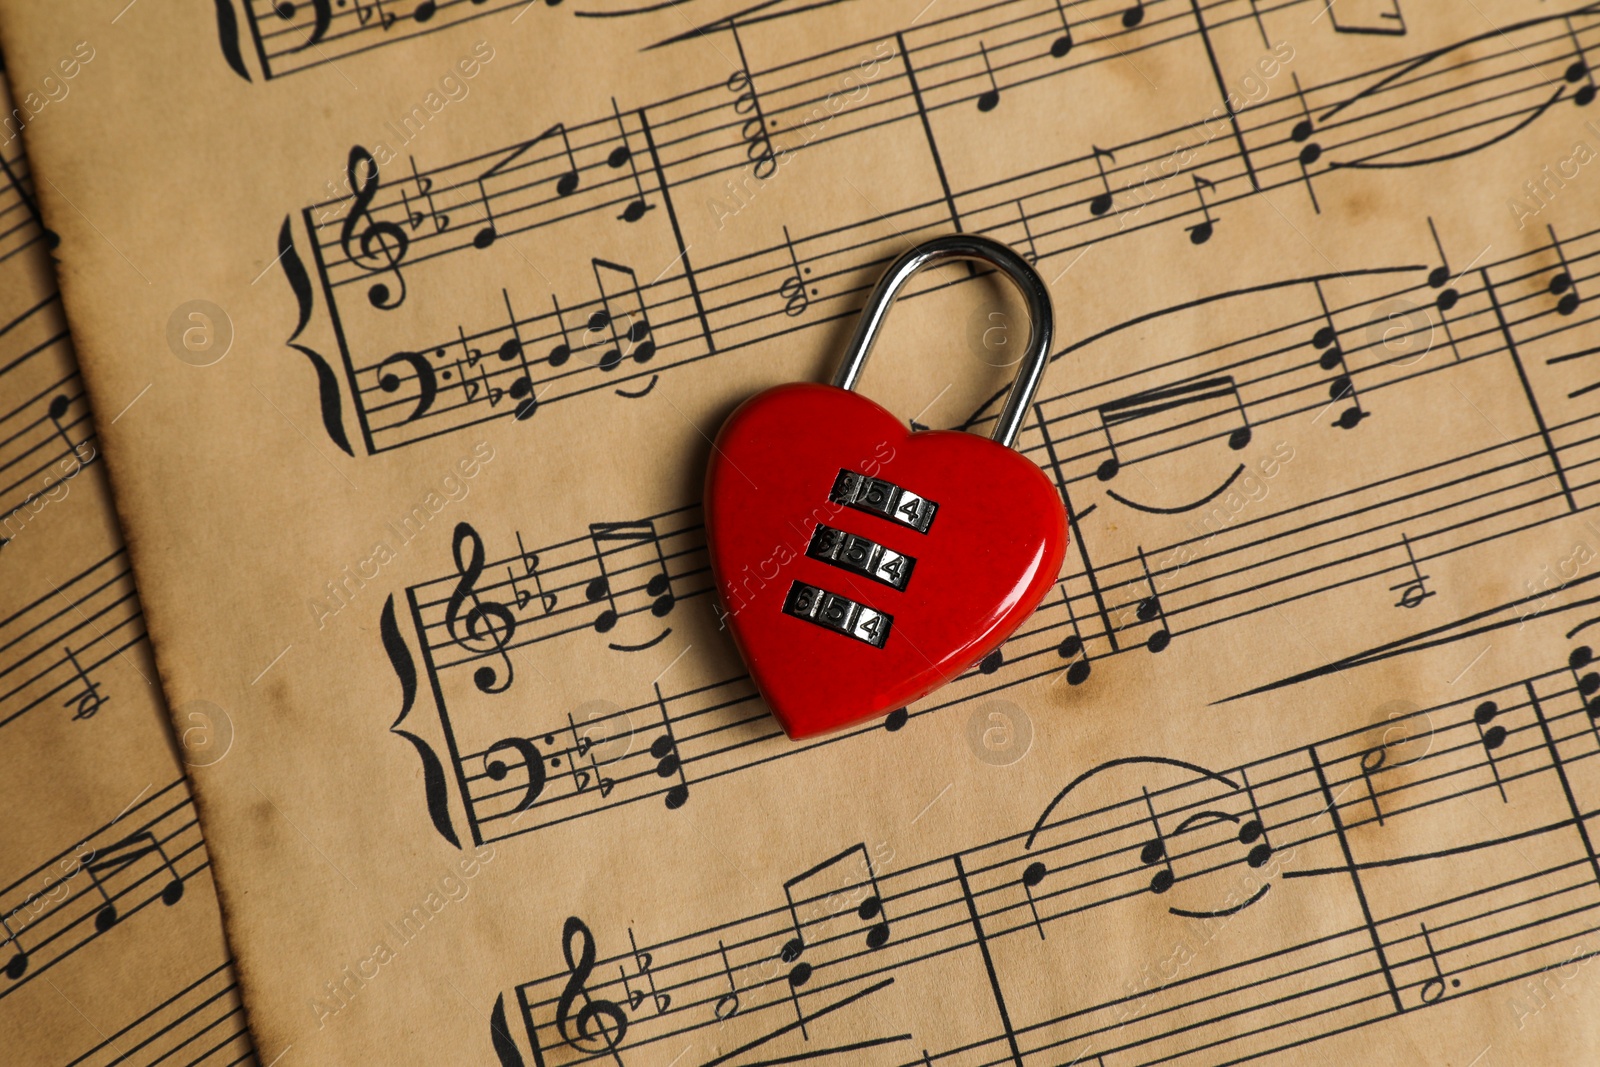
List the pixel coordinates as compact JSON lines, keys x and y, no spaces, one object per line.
{"x":963,"y":246}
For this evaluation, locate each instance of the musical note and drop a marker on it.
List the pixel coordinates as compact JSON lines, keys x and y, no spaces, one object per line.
{"x":1441,"y":274}
{"x":118,"y":857}
{"x":600,"y":1025}
{"x":637,"y":334}
{"x":1434,"y":988}
{"x":89,"y":700}
{"x":1415,"y":591}
{"x":56,"y":412}
{"x":1151,"y":402}
{"x":1561,"y":284}
{"x":622,"y":154}
{"x":1492,"y":737}
{"x":1101,"y":202}
{"x":1155,"y":851}
{"x":642,"y":961}
{"x":796,"y":298}
{"x":488,"y":626}
{"x":727,"y":1005}
{"x":1150,"y":610}
{"x":1587,"y":685}
{"x":17,"y":965}
{"x":1372,"y":761}
{"x":1032,"y":254}
{"x":747,"y":104}
{"x":378,"y":247}
{"x":567,"y":181}
{"x":870,"y":910}
{"x":1326,"y":340}
{"x":1032,"y":875}
{"x":528,"y":755}
{"x":1305,"y":127}
{"x":1063,"y":44}
{"x":1072,"y":647}
{"x":611,"y":540}
{"x":1201,"y":232}
{"x":664,"y":750}
{"x":562,"y":350}
{"x":1310,"y":151}
{"x":1579,"y":70}
{"x":989,"y":99}
{"x":1133,"y":15}
{"x":1254,"y":829}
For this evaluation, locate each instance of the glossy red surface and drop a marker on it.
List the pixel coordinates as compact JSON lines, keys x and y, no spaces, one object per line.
{"x":992,"y":552}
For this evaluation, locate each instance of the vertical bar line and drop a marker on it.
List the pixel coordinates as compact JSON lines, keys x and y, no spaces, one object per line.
{"x":1222,"y":87}
{"x":927,"y":129}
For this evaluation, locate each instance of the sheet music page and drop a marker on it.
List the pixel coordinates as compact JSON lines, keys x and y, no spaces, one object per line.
{"x":407,"y":328}
{"x":111,"y":944}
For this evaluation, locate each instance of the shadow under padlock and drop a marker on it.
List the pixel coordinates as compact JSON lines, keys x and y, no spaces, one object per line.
{"x":861,"y":565}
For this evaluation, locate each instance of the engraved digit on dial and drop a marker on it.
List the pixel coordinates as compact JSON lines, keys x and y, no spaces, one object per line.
{"x":839,"y":614}
{"x":861,"y":555}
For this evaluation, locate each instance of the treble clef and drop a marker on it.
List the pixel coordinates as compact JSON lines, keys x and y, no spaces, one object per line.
{"x":487,"y":627}
{"x":600,"y":1024}
{"x":379,"y":246}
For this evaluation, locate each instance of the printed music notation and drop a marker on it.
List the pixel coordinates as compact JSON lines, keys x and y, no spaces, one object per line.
{"x":617,"y":167}
{"x":56,"y":650}
{"x":1218,"y":554}
{"x":142,"y":857}
{"x":1419,"y":900}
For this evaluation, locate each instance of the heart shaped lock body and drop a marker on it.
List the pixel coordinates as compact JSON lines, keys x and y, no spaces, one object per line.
{"x":962,"y":539}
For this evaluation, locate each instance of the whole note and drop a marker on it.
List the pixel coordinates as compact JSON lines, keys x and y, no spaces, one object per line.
{"x":601,"y":1021}
{"x":379,"y":246}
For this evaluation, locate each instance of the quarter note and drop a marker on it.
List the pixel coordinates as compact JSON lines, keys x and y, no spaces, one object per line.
{"x":1441,"y":274}
{"x":1201,"y":232}
{"x":17,"y":965}
{"x":1561,"y":284}
{"x":562,"y":350}
{"x":1414,"y":591}
{"x":1150,"y":610}
{"x":622,"y":154}
{"x":1492,"y":736}
{"x":1063,"y":44}
{"x":669,"y":762}
{"x":1305,"y":127}
{"x":989,"y":99}
{"x":1254,"y":829}
{"x":1101,"y":203}
{"x":1032,"y":875}
{"x":88,"y":700}
{"x":1579,"y":70}
{"x":1073,"y":648}
{"x":118,"y":857}
{"x":1154,"y":851}
{"x":57,"y":411}
{"x":512,"y":348}
{"x":1133,"y":15}
{"x":567,"y":181}
{"x":1032,"y":254}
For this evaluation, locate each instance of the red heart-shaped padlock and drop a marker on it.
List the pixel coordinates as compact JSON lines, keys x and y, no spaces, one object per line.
{"x":860,"y":565}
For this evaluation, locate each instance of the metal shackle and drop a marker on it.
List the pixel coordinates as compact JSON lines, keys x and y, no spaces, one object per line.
{"x":939,"y":250}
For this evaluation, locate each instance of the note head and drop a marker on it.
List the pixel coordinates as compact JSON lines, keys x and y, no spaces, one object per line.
{"x":1329,"y":359}
{"x":610,"y":359}
{"x":1070,"y":647}
{"x":1259,"y":855}
{"x":896,"y":719}
{"x":17,"y":966}
{"x":992,"y":662}
{"x":1078,"y":673}
{"x":1589,"y":683}
{"x":870,"y":908}
{"x":1250,"y":831}
{"x":1239,"y":438}
{"x":663,"y":605}
{"x":1161,"y":882}
{"x":1438,"y":276}
{"x":1151,"y":852}
{"x":484,"y":238}
{"x":597,"y":588}
{"x":1580,"y":657}
{"x":661,"y":747}
{"x":173,"y":892}
{"x":1340,"y":388}
{"x":559,"y":354}
{"x":425,"y":10}
{"x":668,"y":766}
{"x":1301,"y":131}
{"x":1567,"y":304}
{"x":1324,"y":337}
{"x":1199,"y":235}
{"x":605,"y":621}
{"x":1033,"y":874}
{"x":619,"y":155}
{"x":634,"y":211}
{"x":52,"y":239}
{"x":1061,"y":46}
{"x":1158,"y":641}
{"x":1100,"y":204}
{"x":59,"y":406}
{"x":567,"y":184}
{"x":791,"y":950}
{"x":599,"y":320}
{"x":878,"y":936}
{"x":1593,"y":708}
{"x":105,"y":918}
{"x":1132,"y":17}
{"x":1310,"y":154}
{"x":1108,"y":469}
{"x":1372,"y":759}
{"x":1149,"y":609}
{"x":522,"y":413}
{"x":989,"y":100}
{"x":1484,"y":713}
{"x":1447,"y":299}
{"x":1584,"y":97}
{"x":644,"y":352}
{"x":799,"y":975}
{"x":1494,"y":737}
{"x":1577,"y":70}
{"x":676,"y":797}
{"x":1350,"y":418}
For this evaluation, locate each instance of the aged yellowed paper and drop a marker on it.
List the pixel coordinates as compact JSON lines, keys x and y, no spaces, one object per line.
{"x":111,"y":946}
{"x":408,"y":327}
